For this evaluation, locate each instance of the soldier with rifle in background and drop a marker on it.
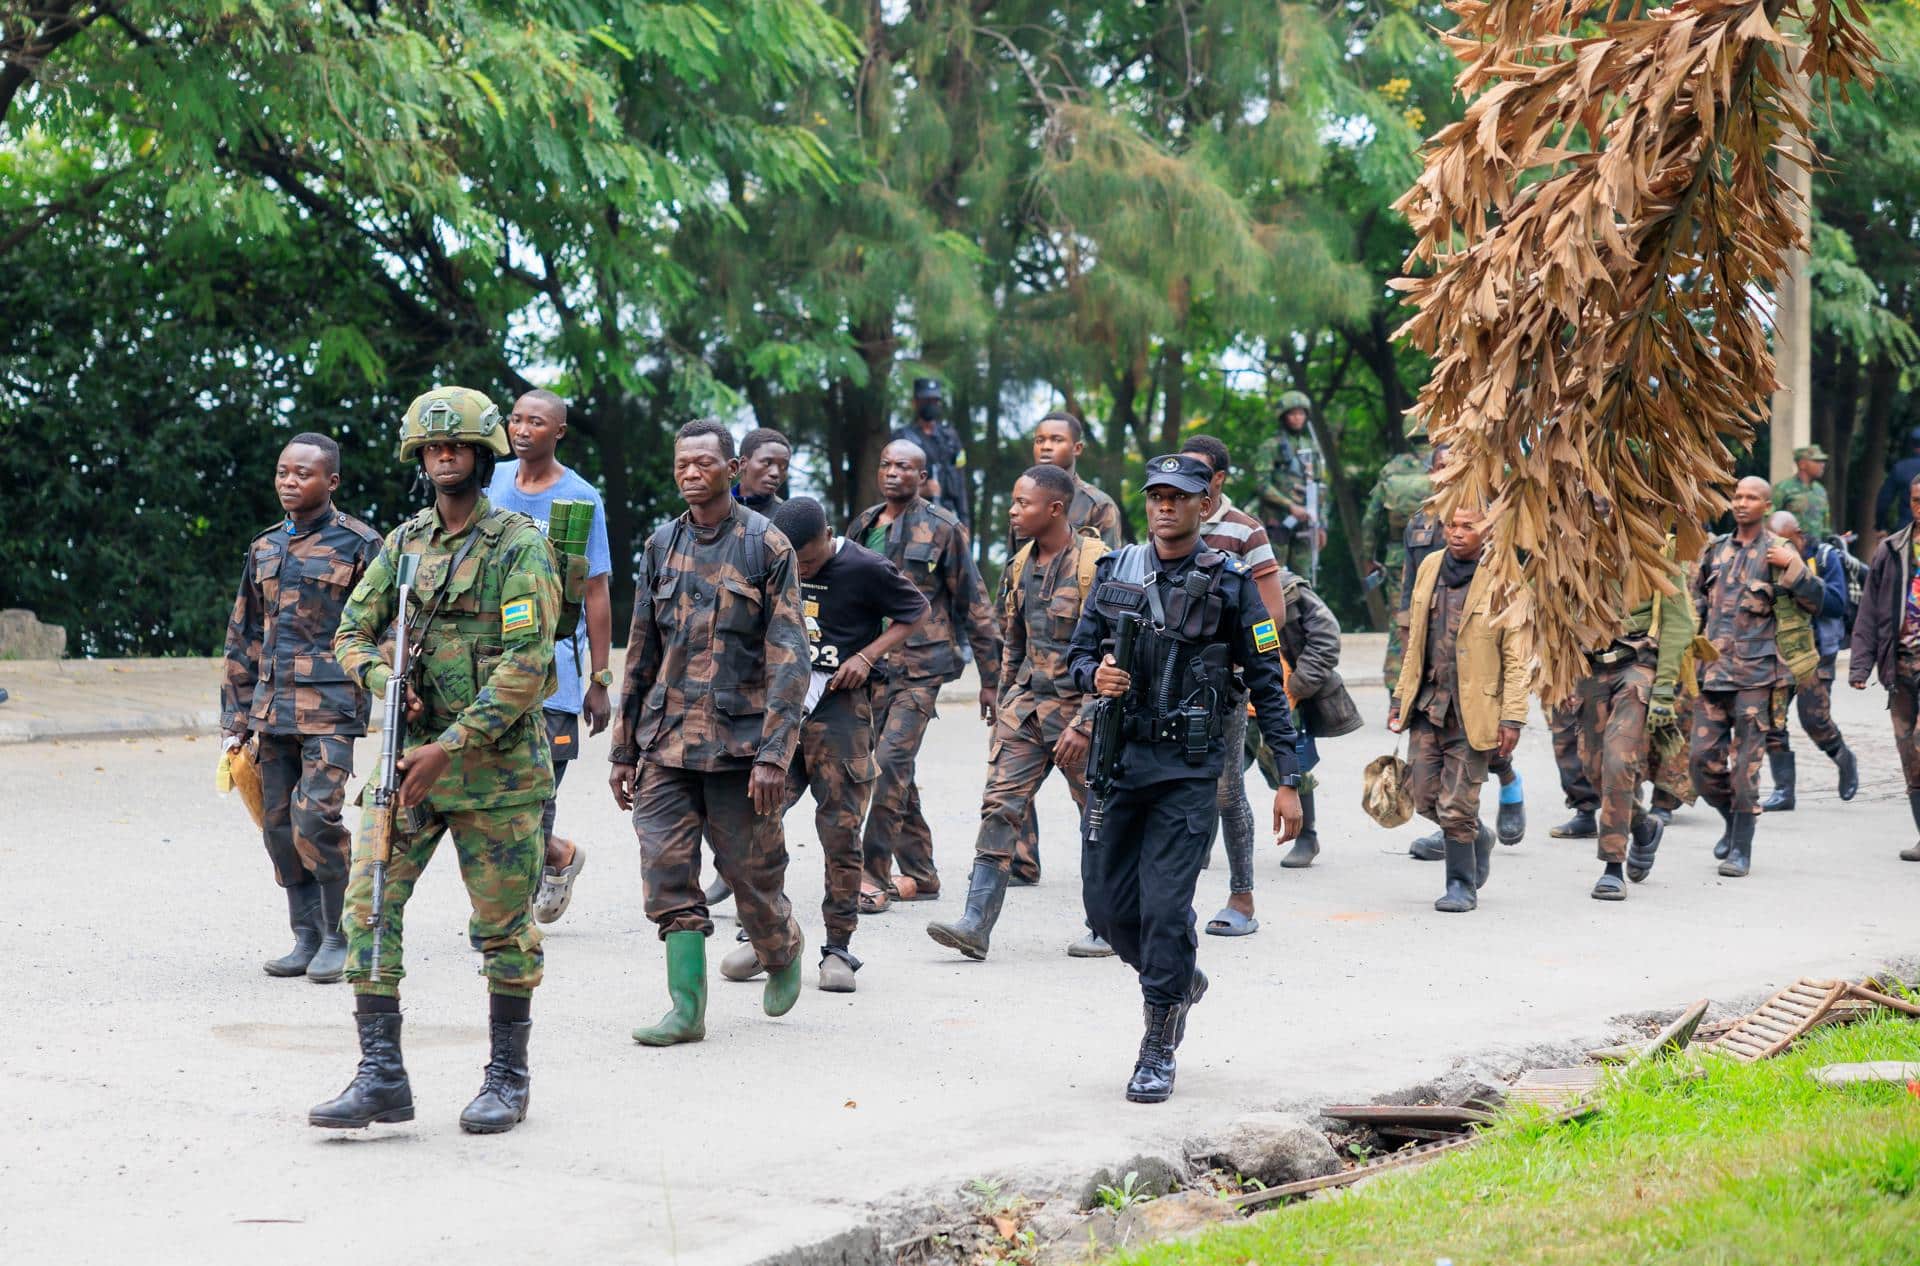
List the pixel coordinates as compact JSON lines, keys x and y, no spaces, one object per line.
{"x":483,"y":613}
{"x":1185,"y":616}
{"x":1292,"y":494}
{"x":1405,"y":483}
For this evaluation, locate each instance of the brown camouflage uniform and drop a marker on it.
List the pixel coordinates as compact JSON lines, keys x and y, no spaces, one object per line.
{"x":928,"y":544}
{"x":1445,"y":771}
{"x":716,"y":681}
{"x":835,"y":762}
{"x":483,"y":668}
{"x":1733,"y":594}
{"x":1642,"y":664}
{"x":283,"y":683}
{"x":1040,"y":704}
{"x":1563,"y":724}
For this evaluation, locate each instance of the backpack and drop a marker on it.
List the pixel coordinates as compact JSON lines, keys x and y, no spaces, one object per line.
{"x":1088,"y":559}
{"x":1856,"y":577}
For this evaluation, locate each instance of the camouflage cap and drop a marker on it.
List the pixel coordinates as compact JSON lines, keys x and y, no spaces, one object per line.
{"x":459,"y":414}
{"x":1810,"y":453}
{"x":1293,"y":400}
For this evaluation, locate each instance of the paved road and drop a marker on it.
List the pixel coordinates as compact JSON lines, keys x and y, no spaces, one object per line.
{"x":154,"y":1082}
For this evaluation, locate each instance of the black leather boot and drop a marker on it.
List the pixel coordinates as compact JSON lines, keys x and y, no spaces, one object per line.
{"x":1482,"y":856}
{"x":1306,"y":846}
{"x":1849,"y":772}
{"x":1725,"y":842}
{"x":1461,"y":865}
{"x":1913,"y":803}
{"x":1781,"y":801}
{"x":970,"y":933}
{"x":303,"y":915}
{"x":1580,"y":826}
{"x":1152,"y":1080}
{"x":330,"y":963}
{"x":1642,"y":845}
{"x":379,"y":1091}
{"x":502,"y":1101}
{"x":1740,"y":847}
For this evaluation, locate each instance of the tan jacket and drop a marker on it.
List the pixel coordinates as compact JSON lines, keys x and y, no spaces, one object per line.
{"x":1491,"y":664}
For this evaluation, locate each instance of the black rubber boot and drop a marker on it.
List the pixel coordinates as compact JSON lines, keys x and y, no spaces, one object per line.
{"x":1725,"y":842}
{"x":1849,"y":772}
{"x":971,"y":932}
{"x":1642,"y":845}
{"x":502,"y":1101}
{"x":1511,"y":822}
{"x":1482,"y":856}
{"x":1152,"y":1080}
{"x":1913,"y":803}
{"x":1306,"y":845}
{"x":331,"y":962}
{"x":1428,"y":848}
{"x":1781,"y":801}
{"x":1740,"y":847}
{"x":303,"y":915}
{"x":1459,"y":896}
{"x":1196,"y":990}
{"x":1581,"y":826}
{"x":379,"y":1091}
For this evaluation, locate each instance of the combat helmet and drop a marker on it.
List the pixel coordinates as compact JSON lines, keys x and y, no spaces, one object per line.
{"x":457,"y":414}
{"x":1293,"y":400}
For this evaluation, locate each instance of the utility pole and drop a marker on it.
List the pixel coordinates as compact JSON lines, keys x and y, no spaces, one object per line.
{"x":1792,"y":422}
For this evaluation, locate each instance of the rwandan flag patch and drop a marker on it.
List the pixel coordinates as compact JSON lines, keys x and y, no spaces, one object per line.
{"x":518,"y":614}
{"x":1264,"y":638}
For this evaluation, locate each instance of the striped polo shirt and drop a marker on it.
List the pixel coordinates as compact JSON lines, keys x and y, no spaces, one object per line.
{"x":1232,"y":532}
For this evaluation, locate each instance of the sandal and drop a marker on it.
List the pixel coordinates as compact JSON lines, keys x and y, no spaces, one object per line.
{"x":874,"y":900}
{"x":1230,"y":922}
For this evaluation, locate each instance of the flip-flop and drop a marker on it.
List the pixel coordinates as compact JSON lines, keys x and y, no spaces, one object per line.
{"x":874,"y":900}
{"x":1230,"y":922}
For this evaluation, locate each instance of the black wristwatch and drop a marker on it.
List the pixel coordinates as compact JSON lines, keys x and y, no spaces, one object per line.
{"x":1291,"y":780}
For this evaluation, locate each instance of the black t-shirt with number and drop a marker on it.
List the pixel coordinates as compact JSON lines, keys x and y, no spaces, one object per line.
{"x":848,"y":600}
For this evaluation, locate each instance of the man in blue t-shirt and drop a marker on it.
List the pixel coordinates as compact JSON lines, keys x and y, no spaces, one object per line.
{"x":531,"y":483}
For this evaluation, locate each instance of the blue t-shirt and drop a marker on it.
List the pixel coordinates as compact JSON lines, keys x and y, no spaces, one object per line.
{"x":570,"y":658}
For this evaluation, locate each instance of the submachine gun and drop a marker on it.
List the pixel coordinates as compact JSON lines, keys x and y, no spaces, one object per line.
{"x":393,"y":733}
{"x":1109,"y":736}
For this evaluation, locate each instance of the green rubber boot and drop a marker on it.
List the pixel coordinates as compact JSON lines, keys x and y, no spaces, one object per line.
{"x":783,"y":986}
{"x":687,"y":986}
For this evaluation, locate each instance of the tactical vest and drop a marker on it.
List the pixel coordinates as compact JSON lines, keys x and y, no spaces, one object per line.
{"x":1182,"y":671}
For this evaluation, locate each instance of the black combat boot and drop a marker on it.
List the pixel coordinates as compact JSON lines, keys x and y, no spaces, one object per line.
{"x":1461,"y":867}
{"x":331,"y":962}
{"x":1580,"y":826}
{"x":1642,"y":845}
{"x":303,"y":915}
{"x":1196,"y":990}
{"x":1781,"y":801}
{"x":1428,"y":848}
{"x":1306,"y":846}
{"x":1482,"y":856}
{"x":970,"y":933}
{"x":1913,"y":803}
{"x":379,"y":1091}
{"x":1740,"y":847}
{"x":1152,"y":1080}
{"x":502,"y":1101}
{"x":1511,"y":822}
{"x":1725,"y":842}
{"x":1849,"y":771}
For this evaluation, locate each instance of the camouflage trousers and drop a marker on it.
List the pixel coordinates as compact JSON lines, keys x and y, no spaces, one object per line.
{"x":1814,"y":704}
{"x":1729,"y":738}
{"x":672,"y":808}
{"x":1445,"y":774}
{"x":1021,"y":760}
{"x":834,"y":761}
{"x":896,"y":828}
{"x":1667,"y":765}
{"x":1397,"y":620}
{"x":500,"y":853}
{"x":1576,"y":779}
{"x":1611,"y":729}
{"x":1903,"y":705}
{"x":303,"y":784}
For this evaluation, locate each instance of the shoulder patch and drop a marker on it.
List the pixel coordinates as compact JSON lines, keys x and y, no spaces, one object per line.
{"x":357,"y":527}
{"x":940,"y":512}
{"x":516,"y":615}
{"x":1236,"y":566}
{"x":1265,"y":639}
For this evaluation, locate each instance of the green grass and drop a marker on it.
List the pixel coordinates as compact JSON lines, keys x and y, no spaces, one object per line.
{"x":1737,"y":1164}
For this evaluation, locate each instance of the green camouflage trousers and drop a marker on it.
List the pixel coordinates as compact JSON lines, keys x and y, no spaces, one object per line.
{"x":1395,"y":563}
{"x":1611,"y":734}
{"x":500,"y":852}
{"x":303,"y":784}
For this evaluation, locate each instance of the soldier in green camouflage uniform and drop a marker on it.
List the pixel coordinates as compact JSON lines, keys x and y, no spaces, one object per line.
{"x":710,"y":715}
{"x":477,"y":765}
{"x":1043,"y":721}
{"x":1283,"y":466}
{"x":283,"y":687}
{"x":1405,"y":483}
{"x":927,"y":543}
{"x":1631,"y":690}
{"x":1805,"y":495}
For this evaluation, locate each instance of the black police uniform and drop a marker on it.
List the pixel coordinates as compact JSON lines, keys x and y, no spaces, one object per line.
{"x":1203,"y":618}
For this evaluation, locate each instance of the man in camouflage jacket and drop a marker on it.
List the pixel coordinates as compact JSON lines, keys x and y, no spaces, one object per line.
{"x":931,"y":547}
{"x":716,"y":685}
{"x":284,"y":687}
{"x":1405,"y":483}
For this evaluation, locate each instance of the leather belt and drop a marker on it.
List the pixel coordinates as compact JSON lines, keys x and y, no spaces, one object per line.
{"x":1618,"y":653}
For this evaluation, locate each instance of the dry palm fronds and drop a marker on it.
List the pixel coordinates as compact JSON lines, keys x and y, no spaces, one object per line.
{"x":1599,"y":230}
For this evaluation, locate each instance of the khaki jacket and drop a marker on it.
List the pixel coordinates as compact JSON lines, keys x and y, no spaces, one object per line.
{"x":1492,"y":664}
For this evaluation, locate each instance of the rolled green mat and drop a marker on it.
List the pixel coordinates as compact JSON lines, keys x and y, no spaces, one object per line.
{"x":582,"y":521}
{"x":560,"y":528}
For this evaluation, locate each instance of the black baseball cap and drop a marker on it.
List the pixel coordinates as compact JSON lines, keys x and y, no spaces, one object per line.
{"x":1180,"y":470}
{"x":923,"y":387}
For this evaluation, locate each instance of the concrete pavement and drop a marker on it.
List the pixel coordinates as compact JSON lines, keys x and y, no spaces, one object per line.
{"x":155,"y":1082}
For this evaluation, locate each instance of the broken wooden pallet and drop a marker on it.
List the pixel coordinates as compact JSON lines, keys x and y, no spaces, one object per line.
{"x":1779,"y":1021}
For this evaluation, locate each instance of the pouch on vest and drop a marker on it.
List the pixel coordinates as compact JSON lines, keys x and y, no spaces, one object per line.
{"x":1793,"y":632}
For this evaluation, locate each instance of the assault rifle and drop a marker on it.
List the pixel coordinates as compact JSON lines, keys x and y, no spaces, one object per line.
{"x":393,"y":734}
{"x":1310,"y":467}
{"x":1109,"y":740}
